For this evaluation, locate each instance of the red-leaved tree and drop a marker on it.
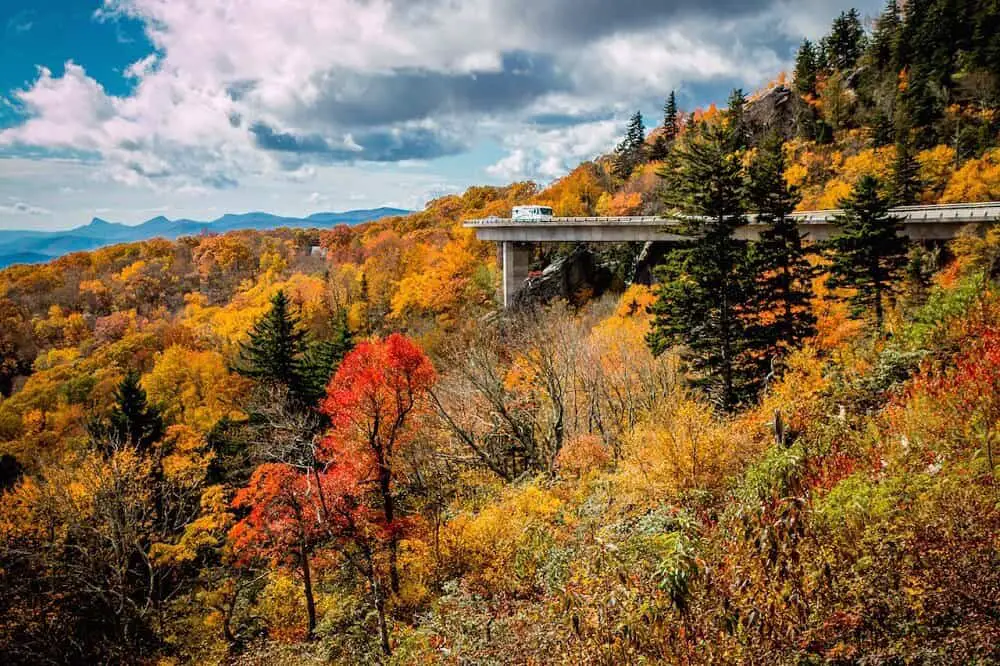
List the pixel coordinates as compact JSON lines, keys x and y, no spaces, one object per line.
{"x":373,"y":401}
{"x":347,"y":501}
{"x":286,"y":523}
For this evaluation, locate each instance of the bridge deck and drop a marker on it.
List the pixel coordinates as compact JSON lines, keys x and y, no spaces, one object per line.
{"x":920,"y":223}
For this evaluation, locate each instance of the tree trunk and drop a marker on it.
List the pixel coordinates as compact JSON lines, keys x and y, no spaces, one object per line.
{"x":307,"y":584}
{"x":388,"y":506}
{"x":879,"y":315}
{"x":383,"y":626}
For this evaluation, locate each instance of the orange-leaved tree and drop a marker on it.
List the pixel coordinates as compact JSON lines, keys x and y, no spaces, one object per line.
{"x":285,"y":524}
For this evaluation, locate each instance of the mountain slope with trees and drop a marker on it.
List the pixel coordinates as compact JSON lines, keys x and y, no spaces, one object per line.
{"x":229,"y":449}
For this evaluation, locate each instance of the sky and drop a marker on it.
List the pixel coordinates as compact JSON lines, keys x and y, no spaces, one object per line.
{"x":130,"y":109}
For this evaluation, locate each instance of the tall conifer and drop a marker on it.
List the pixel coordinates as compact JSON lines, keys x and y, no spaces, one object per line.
{"x":132,"y":421}
{"x":630,"y":152}
{"x":884,"y":47}
{"x":867,"y":253}
{"x":275,"y":351}
{"x":706,"y":286}
{"x":784,"y":288}
{"x":806,"y":69}
{"x":846,"y":42}
{"x":906,"y":183}
{"x":739,"y":130}
{"x":324,"y":356}
{"x":671,"y":126}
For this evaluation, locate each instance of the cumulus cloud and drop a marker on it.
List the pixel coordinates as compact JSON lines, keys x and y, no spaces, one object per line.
{"x":235,"y":89}
{"x":548,"y":154}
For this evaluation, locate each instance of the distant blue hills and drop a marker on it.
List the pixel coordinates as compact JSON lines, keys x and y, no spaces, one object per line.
{"x":33,"y":247}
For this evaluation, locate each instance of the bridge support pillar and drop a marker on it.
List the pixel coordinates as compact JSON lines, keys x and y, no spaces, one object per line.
{"x":516,"y":258}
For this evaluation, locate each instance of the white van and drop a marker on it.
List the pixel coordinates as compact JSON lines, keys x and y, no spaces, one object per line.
{"x":531,"y":213}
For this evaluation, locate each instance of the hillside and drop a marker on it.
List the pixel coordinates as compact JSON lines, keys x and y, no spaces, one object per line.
{"x":38,"y":246}
{"x":229,"y":449}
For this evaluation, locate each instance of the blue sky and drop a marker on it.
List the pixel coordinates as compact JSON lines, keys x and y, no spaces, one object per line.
{"x":128,"y":109}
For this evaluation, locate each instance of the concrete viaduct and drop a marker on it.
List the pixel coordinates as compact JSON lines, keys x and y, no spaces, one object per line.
{"x":940,"y":222}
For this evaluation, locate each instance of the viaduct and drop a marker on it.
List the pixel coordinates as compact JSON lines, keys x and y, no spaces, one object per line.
{"x":940,"y":222}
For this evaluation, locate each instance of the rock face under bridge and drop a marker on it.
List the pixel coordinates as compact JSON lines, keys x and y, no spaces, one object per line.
{"x":566,"y":277}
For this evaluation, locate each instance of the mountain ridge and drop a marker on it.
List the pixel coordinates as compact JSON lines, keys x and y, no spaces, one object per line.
{"x":19,"y":247}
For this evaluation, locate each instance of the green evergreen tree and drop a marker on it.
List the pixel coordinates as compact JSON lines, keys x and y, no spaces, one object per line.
{"x":846,"y":41}
{"x":736,"y":115}
{"x":630,"y":152}
{"x":706,"y":285}
{"x":275,"y":352}
{"x":806,"y":69}
{"x":883,"y":130}
{"x":671,"y":124}
{"x":324,"y":356}
{"x":668,"y":133}
{"x":660,"y":149}
{"x":132,"y":421}
{"x":823,"y":63}
{"x":906,"y":183}
{"x":867,"y":253}
{"x":933,"y":35}
{"x":784,"y":287}
{"x":985,"y":24}
{"x":884,"y":47}
{"x":806,"y":75}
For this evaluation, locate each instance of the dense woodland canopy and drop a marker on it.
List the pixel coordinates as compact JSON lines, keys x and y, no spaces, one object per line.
{"x":230,"y":449}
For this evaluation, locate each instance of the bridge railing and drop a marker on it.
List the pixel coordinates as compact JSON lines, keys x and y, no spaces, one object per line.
{"x":645,"y":219}
{"x":963,"y":213}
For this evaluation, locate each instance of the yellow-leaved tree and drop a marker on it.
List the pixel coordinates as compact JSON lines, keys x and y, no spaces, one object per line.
{"x":976,"y":180}
{"x":194,"y":387}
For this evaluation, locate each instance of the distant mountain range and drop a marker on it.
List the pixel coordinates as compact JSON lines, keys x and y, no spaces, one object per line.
{"x":32,"y":247}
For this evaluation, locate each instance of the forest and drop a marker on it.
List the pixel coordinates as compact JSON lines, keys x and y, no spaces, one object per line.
{"x":234,"y":449}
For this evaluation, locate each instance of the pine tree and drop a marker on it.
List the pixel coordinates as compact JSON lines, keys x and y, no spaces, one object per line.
{"x":867,"y":253}
{"x":707,"y":284}
{"x":806,"y":76}
{"x":671,"y":125}
{"x":324,"y":356}
{"x":276,"y":349}
{"x":132,"y":422}
{"x":846,"y":41}
{"x":660,"y":149}
{"x":629,"y":153}
{"x":906,"y":183}
{"x":884,"y":47}
{"x":823,"y":63}
{"x":883,"y":130}
{"x":784,"y":287}
{"x":806,"y":69}
{"x":736,"y":116}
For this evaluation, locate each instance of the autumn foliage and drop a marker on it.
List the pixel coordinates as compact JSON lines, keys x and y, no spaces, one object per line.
{"x":472,"y":486}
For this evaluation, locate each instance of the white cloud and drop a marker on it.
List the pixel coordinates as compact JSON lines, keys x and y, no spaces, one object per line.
{"x":327,"y":81}
{"x":546,"y":155}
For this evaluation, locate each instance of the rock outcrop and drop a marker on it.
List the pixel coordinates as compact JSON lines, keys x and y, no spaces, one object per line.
{"x":566,"y":278}
{"x":777,"y":108}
